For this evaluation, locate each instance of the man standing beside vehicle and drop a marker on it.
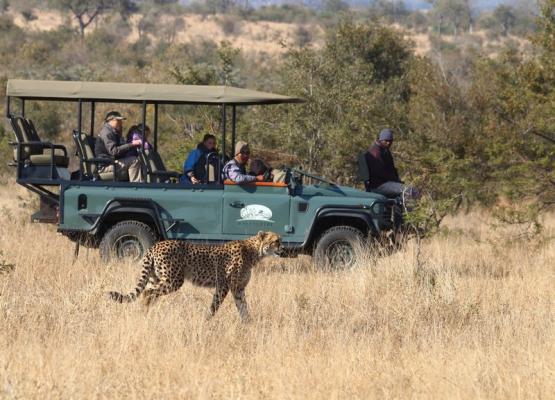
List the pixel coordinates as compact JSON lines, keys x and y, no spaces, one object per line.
{"x":382,"y":175}
{"x":111,"y":145}
{"x":235,"y":170}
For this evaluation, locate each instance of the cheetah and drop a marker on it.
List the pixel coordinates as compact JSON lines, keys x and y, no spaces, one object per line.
{"x":227,"y":267}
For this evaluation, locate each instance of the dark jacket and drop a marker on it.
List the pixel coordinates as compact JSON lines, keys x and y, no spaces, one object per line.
{"x":381,"y":168}
{"x":110,"y":144}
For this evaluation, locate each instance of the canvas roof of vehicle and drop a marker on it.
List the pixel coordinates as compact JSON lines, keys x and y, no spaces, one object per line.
{"x":141,"y":92}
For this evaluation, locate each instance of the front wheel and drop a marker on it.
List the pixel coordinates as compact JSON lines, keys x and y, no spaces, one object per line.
{"x":126,"y":240}
{"x":336,"y":247}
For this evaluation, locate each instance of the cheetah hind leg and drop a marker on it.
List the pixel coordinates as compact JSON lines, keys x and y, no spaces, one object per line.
{"x":217,"y":300}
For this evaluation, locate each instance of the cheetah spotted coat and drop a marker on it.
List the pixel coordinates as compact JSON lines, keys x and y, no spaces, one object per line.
{"x":226,"y":268}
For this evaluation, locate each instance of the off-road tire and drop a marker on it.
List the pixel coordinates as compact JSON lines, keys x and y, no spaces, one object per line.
{"x":126,"y":240}
{"x":345,"y":236}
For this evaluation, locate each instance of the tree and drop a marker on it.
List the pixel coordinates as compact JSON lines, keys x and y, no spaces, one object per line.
{"x":353,"y":86}
{"x":86,"y":11}
{"x":335,"y":6}
{"x":451,"y":14}
{"x":504,"y":16}
{"x":4,"y":6}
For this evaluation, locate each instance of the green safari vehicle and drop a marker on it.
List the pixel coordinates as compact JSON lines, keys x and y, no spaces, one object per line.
{"x":123,"y":219}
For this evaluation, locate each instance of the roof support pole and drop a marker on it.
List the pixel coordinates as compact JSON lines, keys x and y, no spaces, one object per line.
{"x":79,"y":126}
{"x":8,"y":104}
{"x":93,"y":109}
{"x":155,"y":127}
{"x":80,"y":115}
{"x":233,"y":126}
{"x":224,"y":123}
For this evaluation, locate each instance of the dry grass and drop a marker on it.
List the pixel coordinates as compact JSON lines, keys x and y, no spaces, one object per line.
{"x":474,"y":321}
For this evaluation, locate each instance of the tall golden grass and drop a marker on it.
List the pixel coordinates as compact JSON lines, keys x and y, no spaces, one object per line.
{"x":473,"y":318}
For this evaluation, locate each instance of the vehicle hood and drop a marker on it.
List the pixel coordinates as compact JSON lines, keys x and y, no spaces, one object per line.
{"x":337,"y":191}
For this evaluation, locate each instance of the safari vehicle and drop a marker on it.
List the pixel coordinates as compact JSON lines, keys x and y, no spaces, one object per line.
{"x":123,"y":219}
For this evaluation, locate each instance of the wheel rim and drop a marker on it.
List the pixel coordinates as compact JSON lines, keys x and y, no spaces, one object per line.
{"x":340,"y":254}
{"x":128,"y":247}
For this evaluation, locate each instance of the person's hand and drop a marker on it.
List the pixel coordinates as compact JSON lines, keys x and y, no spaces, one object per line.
{"x":137,"y":142}
{"x":194,"y":180}
{"x":260,"y":178}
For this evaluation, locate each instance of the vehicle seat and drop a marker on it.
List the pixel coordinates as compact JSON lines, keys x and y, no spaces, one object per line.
{"x":213,"y":169}
{"x":156,"y":171}
{"x":90,"y":164}
{"x":33,"y":150}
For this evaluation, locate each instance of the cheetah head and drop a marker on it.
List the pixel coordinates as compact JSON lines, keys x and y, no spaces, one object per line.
{"x":268,"y":243}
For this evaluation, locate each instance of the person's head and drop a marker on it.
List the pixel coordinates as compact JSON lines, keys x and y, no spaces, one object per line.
{"x":385,"y":138}
{"x":209,"y":141}
{"x":258,"y":167}
{"x":242,"y":152}
{"x":115,"y":120}
{"x":138,"y":130}
{"x":146,"y":130}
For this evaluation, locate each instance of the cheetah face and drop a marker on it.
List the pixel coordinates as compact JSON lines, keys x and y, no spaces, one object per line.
{"x":269,"y":244}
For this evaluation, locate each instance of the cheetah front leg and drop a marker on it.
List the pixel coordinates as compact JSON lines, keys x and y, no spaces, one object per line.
{"x":241,"y":304}
{"x":217,"y":300}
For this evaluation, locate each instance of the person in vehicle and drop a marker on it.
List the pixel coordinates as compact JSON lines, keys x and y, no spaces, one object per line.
{"x":112,"y":146}
{"x":136,"y":133}
{"x":235,"y":169}
{"x":194,"y":167}
{"x":258,"y":167}
{"x":383,"y":177}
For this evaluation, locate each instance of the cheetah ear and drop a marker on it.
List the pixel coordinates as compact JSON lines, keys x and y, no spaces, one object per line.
{"x":261,"y":234}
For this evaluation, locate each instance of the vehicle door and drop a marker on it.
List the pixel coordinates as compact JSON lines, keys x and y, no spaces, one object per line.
{"x":250,"y":208}
{"x":192,"y":212}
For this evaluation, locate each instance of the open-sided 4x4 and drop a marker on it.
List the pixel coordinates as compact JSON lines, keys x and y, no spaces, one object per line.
{"x":124,"y":219}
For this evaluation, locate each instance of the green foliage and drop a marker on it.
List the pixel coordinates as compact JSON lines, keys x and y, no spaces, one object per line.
{"x":469,"y":129}
{"x":451,"y":16}
{"x":505,"y":17}
{"x":353,"y":87}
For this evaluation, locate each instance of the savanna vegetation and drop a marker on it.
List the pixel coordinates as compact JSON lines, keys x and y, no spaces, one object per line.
{"x":465,"y":313}
{"x":473,"y":127}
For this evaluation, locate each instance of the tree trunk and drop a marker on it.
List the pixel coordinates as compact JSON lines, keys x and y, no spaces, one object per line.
{"x":82,"y":26}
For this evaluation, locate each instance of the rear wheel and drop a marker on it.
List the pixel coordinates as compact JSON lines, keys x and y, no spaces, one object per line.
{"x":126,"y":240}
{"x":335,"y":248}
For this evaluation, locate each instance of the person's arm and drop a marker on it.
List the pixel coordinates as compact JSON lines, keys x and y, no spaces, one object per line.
{"x":190,"y":162}
{"x":233,"y":173}
{"x":111,"y":144}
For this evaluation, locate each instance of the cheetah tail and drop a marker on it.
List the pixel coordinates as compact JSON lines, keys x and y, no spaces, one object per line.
{"x":147,"y":272}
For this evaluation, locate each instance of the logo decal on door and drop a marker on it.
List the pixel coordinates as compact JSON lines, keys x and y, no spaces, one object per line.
{"x":256,"y":212}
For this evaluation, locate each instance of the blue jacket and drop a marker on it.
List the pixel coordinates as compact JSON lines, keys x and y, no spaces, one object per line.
{"x":190,"y":163}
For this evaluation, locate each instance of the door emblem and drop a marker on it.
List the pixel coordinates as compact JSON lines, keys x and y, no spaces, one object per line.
{"x":256,"y":212}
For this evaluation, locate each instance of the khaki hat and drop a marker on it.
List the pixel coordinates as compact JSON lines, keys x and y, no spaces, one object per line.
{"x":241,"y":146}
{"x":114,"y":115}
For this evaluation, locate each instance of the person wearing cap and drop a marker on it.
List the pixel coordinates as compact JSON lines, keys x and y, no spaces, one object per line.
{"x":235,"y":170}
{"x":111,"y":145}
{"x":382,"y":175}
